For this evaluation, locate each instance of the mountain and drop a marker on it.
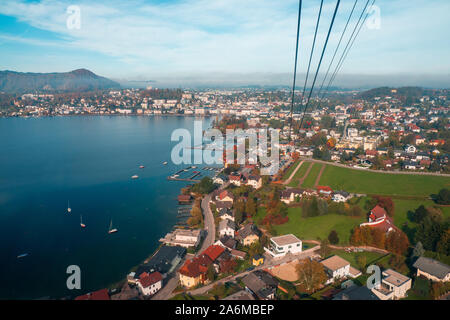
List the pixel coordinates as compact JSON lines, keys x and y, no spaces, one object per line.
{"x":76,"y":80}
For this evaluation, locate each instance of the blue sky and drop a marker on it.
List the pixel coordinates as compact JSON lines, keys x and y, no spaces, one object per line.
{"x":137,"y":39}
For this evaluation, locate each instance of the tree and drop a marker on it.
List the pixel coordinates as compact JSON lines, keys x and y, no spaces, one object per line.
{"x":387,"y":204}
{"x":397,"y":242}
{"x":443,"y":197}
{"x":333,"y":237}
{"x":419,"y":214}
{"x":429,"y":232}
{"x":250,"y":207}
{"x":311,"y":275}
{"x":324,"y":250}
{"x":443,"y":246}
{"x":418,"y":250}
{"x":211,"y":274}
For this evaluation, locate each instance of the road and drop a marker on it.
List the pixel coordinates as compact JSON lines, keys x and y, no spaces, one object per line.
{"x":210,"y":236}
{"x":208,"y":220}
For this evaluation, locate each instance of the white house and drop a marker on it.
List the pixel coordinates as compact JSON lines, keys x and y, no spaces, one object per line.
{"x":149,"y":284}
{"x":336,"y":268}
{"x":340,"y":196}
{"x":182,"y":237}
{"x":393,"y":285}
{"x":254,"y":181}
{"x":281,"y":245}
{"x":227,"y":228}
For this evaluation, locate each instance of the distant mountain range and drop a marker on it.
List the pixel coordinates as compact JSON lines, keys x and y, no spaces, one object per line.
{"x":76,"y":80}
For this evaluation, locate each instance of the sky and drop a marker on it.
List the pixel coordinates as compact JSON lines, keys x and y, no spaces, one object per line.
{"x":226,"y":41}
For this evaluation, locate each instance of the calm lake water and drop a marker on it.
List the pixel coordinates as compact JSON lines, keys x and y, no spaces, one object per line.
{"x":46,"y":162}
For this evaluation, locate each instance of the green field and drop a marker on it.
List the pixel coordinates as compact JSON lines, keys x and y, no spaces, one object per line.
{"x":314,"y":227}
{"x":371,"y":257}
{"x":290,"y":170}
{"x":312,"y":176}
{"x":360,"y":181}
{"x":299,"y":174}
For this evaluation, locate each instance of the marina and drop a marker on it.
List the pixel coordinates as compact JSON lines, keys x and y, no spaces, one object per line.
{"x":194,"y":174}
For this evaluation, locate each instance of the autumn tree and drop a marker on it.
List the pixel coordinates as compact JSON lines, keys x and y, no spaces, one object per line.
{"x":325,"y":249}
{"x":397,"y":242}
{"x":250,"y":207}
{"x":311,"y":275}
{"x":333,"y":237}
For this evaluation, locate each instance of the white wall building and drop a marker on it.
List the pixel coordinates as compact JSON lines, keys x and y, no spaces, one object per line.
{"x":281,"y":245}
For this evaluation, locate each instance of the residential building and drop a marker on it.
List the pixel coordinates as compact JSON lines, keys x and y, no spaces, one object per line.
{"x":186,"y":238}
{"x":248,"y":234}
{"x":281,"y":245}
{"x":254,"y":181}
{"x":149,"y":284}
{"x":227,"y":228}
{"x":336,"y":268}
{"x":432,"y":269}
{"x":290,"y":195}
{"x":393,"y":285}
{"x":261,"y":284}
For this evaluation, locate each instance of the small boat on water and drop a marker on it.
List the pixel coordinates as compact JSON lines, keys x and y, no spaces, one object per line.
{"x":23,"y":255}
{"x":165,"y":162}
{"x":111,"y":229}
{"x":69,"y":210}
{"x":81,"y":222}
{"x":142,"y":167}
{"x":135,"y":176}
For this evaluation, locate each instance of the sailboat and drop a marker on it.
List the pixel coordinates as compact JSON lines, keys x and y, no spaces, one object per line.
{"x":68,"y":207}
{"x":111,"y":230}
{"x":81,"y":222}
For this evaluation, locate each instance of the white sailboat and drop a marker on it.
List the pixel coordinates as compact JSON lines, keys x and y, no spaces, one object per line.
{"x":68,"y":207}
{"x":81,"y":222}
{"x":111,"y":230}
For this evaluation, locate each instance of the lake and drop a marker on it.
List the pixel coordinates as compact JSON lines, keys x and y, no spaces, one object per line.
{"x":89,"y":161}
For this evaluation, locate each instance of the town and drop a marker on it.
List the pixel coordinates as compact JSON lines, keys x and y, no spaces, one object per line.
{"x":362,"y":184}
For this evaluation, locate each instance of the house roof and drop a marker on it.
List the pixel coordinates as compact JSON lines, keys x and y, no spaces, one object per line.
{"x":96,"y":295}
{"x":433,"y":267}
{"x":240,"y":295}
{"x":356,"y":293}
{"x":227,"y":223}
{"x":237,"y":253}
{"x":147,"y":280}
{"x":261,"y":283}
{"x":395,"y":278}
{"x":285,"y":239}
{"x":324,"y":189}
{"x":378,"y":212}
{"x":335,"y":263}
{"x":213,"y":252}
{"x":248,"y":230}
{"x":225,"y":194}
{"x":196,"y":266}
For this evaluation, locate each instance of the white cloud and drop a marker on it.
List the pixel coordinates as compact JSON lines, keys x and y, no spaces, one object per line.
{"x":233,"y":35}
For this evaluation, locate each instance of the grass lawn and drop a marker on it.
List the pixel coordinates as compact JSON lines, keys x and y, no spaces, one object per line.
{"x":290,"y":170}
{"x":299,"y":174}
{"x":312,"y":176}
{"x":360,"y":181}
{"x":371,"y":257}
{"x":314,"y":227}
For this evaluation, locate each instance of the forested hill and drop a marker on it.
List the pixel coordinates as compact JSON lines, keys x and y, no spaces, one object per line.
{"x":76,"y":80}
